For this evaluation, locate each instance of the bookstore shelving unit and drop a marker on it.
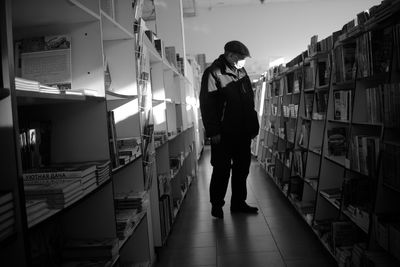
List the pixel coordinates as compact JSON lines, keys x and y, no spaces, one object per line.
{"x":124,"y":121}
{"x":175,"y":88}
{"x":343,"y":177}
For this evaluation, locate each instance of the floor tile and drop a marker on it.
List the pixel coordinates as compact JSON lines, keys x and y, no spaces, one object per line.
{"x":188,"y":257}
{"x":276,"y":236}
{"x":229,"y":245}
{"x":258,"y":259}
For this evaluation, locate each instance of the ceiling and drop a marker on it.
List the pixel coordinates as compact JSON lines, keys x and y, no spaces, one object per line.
{"x":190,"y":6}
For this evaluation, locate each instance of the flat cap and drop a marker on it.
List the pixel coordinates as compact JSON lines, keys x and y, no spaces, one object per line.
{"x":237,"y":47}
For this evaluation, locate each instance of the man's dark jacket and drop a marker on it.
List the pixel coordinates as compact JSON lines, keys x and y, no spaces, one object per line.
{"x":227,"y":101}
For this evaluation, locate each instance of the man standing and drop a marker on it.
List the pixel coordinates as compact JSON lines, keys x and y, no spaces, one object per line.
{"x":230,"y":121}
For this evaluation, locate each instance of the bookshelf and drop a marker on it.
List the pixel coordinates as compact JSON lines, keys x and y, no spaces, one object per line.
{"x":119,"y":137}
{"x":343,"y":177}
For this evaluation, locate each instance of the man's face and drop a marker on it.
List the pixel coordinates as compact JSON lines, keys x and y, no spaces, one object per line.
{"x":238,"y":60}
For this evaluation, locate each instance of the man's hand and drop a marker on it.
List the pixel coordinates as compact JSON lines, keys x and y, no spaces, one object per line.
{"x":216,"y":139}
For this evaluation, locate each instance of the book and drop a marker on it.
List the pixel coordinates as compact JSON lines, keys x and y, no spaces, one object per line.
{"x":83,"y":91}
{"x":335,"y":192}
{"x":49,"y":189}
{"x":59,"y":170}
{"x":26,"y":84}
{"x":96,"y":248}
{"x":342,"y":105}
{"x":36,"y":209}
{"x":337,"y":138}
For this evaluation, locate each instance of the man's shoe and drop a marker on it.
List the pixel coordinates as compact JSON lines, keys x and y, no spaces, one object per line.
{"x":244,"y":208}
{"x":217,"y":212}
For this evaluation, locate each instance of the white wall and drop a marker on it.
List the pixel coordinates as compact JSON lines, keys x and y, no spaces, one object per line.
{"x":270,"y":30}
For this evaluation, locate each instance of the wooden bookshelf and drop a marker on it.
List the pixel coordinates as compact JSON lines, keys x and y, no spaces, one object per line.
{"x":366,"y":173}
{"x":135,"y":90}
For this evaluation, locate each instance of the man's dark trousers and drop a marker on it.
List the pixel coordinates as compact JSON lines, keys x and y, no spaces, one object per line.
{"x":232,"y":153}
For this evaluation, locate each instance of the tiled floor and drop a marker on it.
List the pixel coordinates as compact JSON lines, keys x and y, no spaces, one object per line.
{"x":277,"y":236}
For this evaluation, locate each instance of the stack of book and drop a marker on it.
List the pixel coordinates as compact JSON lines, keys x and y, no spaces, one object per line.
{"x":84,"y":172}
{"x":26,"y":84}
{"x":126,"y":221}
{"x":103,"y":171}
{"x":81,"y":250}
{"x":36,"y":210}
{"x":58,"y":195}
{"x":35,"y":86}
{"x":160,"y":137}
{"x":130,"y":208}
{"x":131,"y":200}
{"x":7,"y":220}
{"x":47,"y":59}
{"x":332,"y":193}
{"x":128,"y":149}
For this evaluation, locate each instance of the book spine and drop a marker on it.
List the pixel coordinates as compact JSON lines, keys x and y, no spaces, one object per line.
{"x":50,"y":175}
